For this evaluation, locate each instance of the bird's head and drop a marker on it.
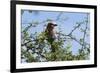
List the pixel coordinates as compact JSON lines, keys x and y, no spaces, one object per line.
{"x":51,"y":25}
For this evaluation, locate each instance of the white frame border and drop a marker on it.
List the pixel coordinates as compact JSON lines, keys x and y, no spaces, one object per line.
{"x":20,"y":65}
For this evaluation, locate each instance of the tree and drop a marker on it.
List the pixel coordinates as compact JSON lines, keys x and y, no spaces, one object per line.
{"x":36,"y":48}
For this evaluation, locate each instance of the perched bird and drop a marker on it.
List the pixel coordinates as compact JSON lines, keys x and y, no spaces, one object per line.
{"x":50,"y":34}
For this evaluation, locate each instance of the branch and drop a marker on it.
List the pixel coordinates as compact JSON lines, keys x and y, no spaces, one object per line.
{"x":85,"y":33}
{"x":59,"y":15}
{"x":73,"y":38}
{"x":79,"y":24}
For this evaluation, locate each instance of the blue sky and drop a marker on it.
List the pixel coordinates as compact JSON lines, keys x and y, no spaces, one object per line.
{"x":71,"y":18}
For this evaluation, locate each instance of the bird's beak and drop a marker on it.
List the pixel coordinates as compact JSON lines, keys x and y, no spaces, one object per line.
{"x":55,"y":24}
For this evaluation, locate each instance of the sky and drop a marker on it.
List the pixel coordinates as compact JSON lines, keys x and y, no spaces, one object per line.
{"x":67,"y":21}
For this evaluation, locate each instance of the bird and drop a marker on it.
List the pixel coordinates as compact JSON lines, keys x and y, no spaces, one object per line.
{"x":50,"y":34}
